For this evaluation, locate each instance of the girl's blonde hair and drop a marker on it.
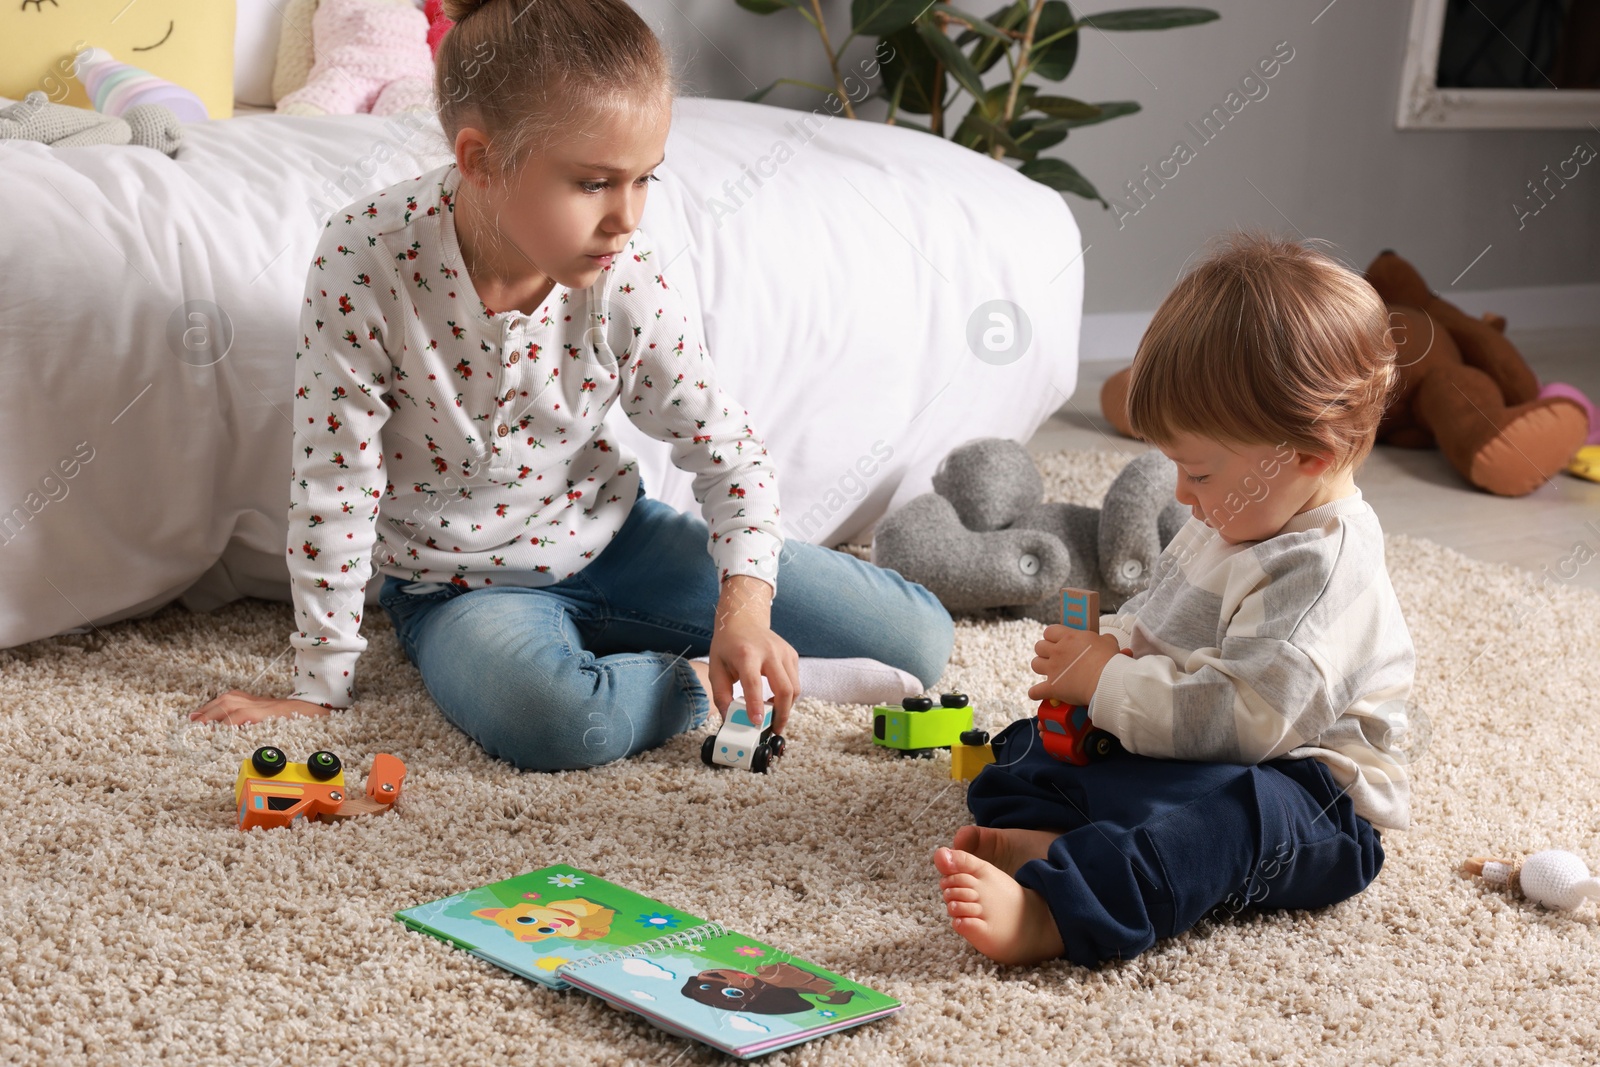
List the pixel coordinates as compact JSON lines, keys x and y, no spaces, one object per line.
{"x":1266,"y":341}
{"x":527,"y":71}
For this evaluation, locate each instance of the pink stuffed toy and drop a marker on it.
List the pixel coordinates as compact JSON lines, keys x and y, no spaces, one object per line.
{"x":438,"y":24}
{"x":371,"y":55}
{"x":1574,"y":394}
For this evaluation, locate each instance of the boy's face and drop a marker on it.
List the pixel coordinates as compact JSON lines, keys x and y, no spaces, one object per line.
{"x":561,"y":210}
{"x":1244,"y":492}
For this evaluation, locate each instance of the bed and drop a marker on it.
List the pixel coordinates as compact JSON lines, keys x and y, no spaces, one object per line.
{"x":874,"y":296}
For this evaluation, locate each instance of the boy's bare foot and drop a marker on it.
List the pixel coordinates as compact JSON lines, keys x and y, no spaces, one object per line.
{"x":1006,"y":849}
{"x":1001,"y":919}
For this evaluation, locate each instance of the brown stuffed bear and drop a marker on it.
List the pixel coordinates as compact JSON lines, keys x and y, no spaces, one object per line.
{"x":1463,"y":387}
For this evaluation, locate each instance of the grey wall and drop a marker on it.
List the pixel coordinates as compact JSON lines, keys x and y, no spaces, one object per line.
{"x":1318,"y":153}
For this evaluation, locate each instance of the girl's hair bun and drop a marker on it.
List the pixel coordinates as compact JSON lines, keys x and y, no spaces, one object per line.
{"x":526,"y":72}
{"x":456,"y":10}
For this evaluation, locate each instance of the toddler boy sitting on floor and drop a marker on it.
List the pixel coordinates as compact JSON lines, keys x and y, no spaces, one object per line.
{"x":1270,"y":663}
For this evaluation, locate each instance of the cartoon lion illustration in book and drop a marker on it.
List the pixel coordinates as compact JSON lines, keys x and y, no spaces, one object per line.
{"x":575,"y":920}
{"x":773,"y":990}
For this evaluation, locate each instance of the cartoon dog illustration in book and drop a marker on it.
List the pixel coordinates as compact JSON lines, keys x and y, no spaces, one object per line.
{"x":773,"y":990}
{"x":576,"y":920}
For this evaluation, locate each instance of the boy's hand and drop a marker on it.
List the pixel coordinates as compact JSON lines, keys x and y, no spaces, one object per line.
{"x":238,"y":708}
{"x":1071,"y":661}
{"x":743,"y":647}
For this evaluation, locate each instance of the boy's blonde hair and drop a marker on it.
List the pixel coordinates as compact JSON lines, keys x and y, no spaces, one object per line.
{"x":1266,"y":341}
{"x":528,"y":71}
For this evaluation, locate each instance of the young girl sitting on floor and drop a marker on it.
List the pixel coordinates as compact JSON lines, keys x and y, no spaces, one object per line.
{"x":1270,"y":663}
{"x":463,"y":337}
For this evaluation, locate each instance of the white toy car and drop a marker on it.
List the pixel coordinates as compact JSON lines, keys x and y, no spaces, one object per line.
{"x":741,"y":743}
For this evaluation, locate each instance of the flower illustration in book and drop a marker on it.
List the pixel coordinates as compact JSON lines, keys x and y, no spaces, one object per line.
{"x":659,"y":920}
{"x":775,"y":989}
{"x":576,"y":920}
{"x":567,"y":880}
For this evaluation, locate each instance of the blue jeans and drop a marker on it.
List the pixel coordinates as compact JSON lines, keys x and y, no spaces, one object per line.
{"x":1149,"y":847}
{"x":595,"y":667}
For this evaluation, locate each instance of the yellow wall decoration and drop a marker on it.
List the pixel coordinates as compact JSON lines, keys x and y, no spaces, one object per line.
{"x":188,"y":42}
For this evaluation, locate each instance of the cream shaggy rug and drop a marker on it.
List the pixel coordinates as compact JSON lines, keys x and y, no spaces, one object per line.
{"x":141,"y":925}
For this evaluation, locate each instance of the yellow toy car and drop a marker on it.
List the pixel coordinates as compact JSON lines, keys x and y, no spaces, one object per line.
{"x":270,"y":791}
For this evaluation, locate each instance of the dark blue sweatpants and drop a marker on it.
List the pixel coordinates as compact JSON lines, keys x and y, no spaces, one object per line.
{"x":1149,"y":846}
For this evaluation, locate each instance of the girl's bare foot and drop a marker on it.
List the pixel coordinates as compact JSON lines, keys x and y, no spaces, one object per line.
{"x":1001,"y":919}
{"x":1006,"y":849}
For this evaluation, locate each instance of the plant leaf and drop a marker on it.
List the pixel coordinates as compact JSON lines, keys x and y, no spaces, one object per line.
{"x":1054,"y":61}
{"x":969,"y":134}
{"x":1109,"y":109}
{"x":1064,"y":107}
{"x":979,"y":134}
{"x":1033,"y":135}
{"x":954,"y":59}
{"x":1150,"y":18}
{"x":755,"y":97}
{"x":978,"y":27}
{"x":880,"y":18}
{"x":766,"y":7}
{"x":1060,"y":175}
{"x":990,"y":50}
{"x":912,"y":61}
{"x":994,"y":100}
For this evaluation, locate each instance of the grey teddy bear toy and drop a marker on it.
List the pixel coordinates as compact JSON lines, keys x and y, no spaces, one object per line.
{"x":984,"y":539}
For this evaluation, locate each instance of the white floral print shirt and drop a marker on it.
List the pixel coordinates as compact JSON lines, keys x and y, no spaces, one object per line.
{"x":439,"y":441}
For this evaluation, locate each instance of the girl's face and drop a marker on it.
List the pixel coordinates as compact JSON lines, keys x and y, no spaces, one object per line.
{"x":563,"y":213}
{"x":1244,"y":492}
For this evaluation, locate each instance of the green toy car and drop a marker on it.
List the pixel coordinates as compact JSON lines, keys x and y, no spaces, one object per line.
{"x":917,"y":726}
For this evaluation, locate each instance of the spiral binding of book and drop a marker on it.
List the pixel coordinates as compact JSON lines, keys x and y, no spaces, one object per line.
{"x":686,"y":937}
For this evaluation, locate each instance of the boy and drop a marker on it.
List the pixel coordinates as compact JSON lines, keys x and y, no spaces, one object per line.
{"x":1269,"y":662}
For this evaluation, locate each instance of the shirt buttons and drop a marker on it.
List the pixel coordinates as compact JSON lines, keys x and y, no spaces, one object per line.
{"x":515,"y":356}
{"x":502,"y":430}
{"x":511,"y":394}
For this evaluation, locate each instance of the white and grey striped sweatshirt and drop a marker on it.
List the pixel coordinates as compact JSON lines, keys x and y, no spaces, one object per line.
{"x":1292,"y":646}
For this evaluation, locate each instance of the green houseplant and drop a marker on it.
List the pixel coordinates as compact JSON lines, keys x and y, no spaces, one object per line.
{"x":926,"y":71}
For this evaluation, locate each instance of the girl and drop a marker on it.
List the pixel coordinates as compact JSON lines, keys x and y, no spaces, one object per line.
{"x":464,"y":335}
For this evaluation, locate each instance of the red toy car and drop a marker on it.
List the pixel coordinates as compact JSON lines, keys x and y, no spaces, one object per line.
{"x":1065,"y":729}
{"x":1068,"y":735}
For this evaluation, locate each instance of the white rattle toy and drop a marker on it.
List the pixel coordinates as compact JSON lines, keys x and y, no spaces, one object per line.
{"x":1553,"y":878}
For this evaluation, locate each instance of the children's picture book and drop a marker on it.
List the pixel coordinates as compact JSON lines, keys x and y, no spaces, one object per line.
{"x":561,"y":927}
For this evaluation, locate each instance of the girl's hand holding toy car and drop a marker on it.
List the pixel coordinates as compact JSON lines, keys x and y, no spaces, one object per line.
{"x":745,"y":648}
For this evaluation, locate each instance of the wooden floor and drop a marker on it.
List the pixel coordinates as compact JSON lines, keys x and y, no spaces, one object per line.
{"x":1549,"y":532}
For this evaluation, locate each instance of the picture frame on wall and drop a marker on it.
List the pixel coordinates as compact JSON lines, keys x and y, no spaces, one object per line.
{"x":1500,"y":65}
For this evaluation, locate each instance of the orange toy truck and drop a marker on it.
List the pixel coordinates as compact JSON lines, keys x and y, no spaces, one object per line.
{"x":270,"y":791}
